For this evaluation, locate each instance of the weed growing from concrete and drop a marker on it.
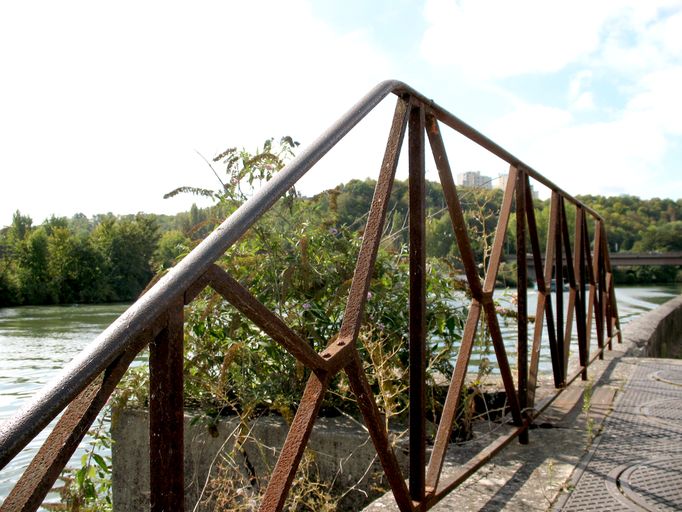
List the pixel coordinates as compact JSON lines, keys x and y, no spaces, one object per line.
{"x":586,"y":408}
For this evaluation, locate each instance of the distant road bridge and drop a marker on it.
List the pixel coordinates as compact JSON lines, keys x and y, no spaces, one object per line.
{"x":654,"y":258}
{"x":625,"y":259}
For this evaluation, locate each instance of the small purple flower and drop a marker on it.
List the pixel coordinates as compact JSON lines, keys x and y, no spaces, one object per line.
{"x":369,"y":295}
{"x":333,"y":231}
{"x":306,"y":306}
{"x":381,"y":326}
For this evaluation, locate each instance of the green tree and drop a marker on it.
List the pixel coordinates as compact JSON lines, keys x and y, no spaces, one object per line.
{"x":32,"y":269}
{"x":20,"y":228}
{"x":662,"y":238}
{"x":126,"y":248}
{"x":171,"y":246}
{"x":75,"y":268}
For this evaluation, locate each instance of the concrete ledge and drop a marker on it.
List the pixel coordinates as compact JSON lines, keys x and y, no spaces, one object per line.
{"x":656,"y":333}
{"x":341,"y":453}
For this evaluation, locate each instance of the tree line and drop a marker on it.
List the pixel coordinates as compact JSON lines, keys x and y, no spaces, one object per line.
{"x":110,"y":258}
{"x":633,"y":224}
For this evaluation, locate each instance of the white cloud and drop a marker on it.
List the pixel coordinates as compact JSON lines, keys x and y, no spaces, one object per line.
{"x":498,"y":38}
{"x":586,"y":141}
{"x":579,"y":82}
{"x":667,"y":35}
{"x":579,"y":91}
{"x":611,"y":157}
{"x":585,"y":101}
{"x":529,"y":122}
{"x":659,"y":100}
{"x":495,"y":39}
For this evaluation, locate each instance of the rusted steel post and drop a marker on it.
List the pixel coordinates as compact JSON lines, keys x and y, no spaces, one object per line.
{"x":543,"y":306}
{"x":166,"y":451}
{"x":559,"y":285}
{"x":608,"y":314}
{"x":597,"y":270}
{"x":417,"y":315}
{"x":588,"y":281}
{"x":294,"y":446}
{"x":608,"y":287}
{"x":377,"y":430}
{"x":550,"y":253}
{"x":459,"y":225}
{"x":489,"y":289}
{"x":615,"y":320}
{"x":579,"y":270}
{"x":452,"y":399}
{"x":521,"y":299}
{"x":449,"y":413}
{"x":357,"y":295}
{"x":570,"y":277}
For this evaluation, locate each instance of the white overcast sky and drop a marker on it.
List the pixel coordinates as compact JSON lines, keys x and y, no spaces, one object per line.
{"x":107,"y":106}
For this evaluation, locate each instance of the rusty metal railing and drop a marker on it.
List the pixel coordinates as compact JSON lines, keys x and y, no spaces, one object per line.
{"x":84,"y":386}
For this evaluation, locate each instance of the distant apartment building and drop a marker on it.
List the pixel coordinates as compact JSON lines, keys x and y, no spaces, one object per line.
{"x":474,"y":179}
{"x":501,"y":183}
{"x":477,"y":180}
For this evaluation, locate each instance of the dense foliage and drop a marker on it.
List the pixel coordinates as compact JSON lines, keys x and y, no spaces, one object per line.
{"x":299,"y":260}
{"x":64,"y":260}
{"x":633,"y":224}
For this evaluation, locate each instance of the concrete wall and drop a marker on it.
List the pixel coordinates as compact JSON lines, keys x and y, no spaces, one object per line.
{"x":657,"y":333}
{"x":341,"y":450}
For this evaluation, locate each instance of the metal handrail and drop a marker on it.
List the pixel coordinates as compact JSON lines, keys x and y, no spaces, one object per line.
{"x":123,"y":335}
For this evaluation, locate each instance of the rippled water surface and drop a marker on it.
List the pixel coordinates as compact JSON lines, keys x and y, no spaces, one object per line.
{"x":36,"y":342}
{"x":632,"y":301}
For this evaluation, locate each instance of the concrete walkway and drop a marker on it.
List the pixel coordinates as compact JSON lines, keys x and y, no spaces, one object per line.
{"x":531,"y":477}
{"x":636,"y":463}
{"x":612,"y":443}
{"x":612,"y":446}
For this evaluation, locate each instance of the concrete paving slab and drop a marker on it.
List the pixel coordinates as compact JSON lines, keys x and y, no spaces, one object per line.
{"x":531,"y":477}
{"x":636,"y":464}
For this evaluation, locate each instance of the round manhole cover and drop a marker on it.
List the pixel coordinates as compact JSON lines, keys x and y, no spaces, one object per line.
{"x":667,"y":411}
{"x":669,"y":377}
{"x":654,"y":485}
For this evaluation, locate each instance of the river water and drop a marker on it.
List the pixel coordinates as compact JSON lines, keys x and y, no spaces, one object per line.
{"x":37,"y":341}
{"x":632,"y":301}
